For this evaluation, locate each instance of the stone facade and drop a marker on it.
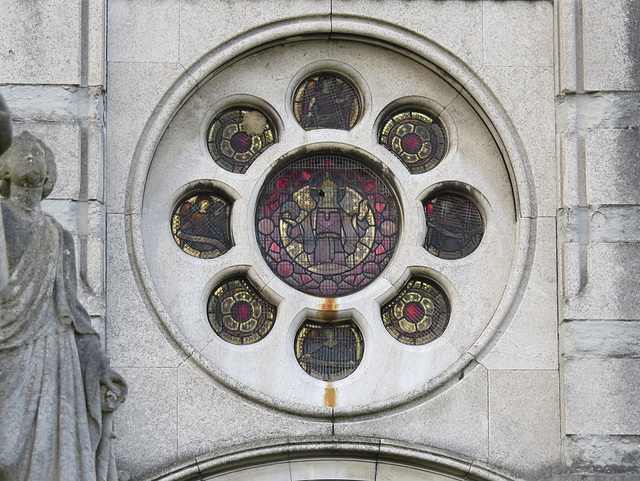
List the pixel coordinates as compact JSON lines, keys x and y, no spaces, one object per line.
{"x":536,"y":377}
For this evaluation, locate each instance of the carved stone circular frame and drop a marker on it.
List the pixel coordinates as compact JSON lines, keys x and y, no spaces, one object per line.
{"x":409,"y":44}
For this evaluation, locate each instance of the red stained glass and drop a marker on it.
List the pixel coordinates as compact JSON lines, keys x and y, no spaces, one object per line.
{"x":238,"y":314}
{"x":237,"y":136}
{"x":418,"y":314}
{"x":454,"y":226}
{"x":201,"y":225}
{"x":326,"y":101}
{"x":417,"y":138}
{"x":335,"y":221}
{"x":329,"y":352}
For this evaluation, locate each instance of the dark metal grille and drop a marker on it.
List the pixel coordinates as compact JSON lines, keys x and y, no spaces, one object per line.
{"x":418,"y":139}
{"x":327,"y":225}
{"x":326,"y":101}
{"x":201,"y":225}
{"x":329,"y":351}
{"x":237,"y":136}
{"x":454,"y":226}
{"x":238,"y":314}
{"x":418,"y":314}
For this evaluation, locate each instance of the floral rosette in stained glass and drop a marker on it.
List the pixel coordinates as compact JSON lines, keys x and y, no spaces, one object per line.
{"x":454,"y":226}
{"x":326,"y":101}
{"x":200,"y":225}
{"x":238,"y":314}
{"x":416,"y":138}
{"x":329,"y":351}
{"x":327,"y":225}
{"x":418,"y":314}
{"x":237,"y":136}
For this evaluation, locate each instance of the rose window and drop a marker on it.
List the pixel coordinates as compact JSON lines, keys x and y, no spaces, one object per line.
{"x":323,"y":210}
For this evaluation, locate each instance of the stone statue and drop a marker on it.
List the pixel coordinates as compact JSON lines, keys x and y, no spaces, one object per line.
{"x":57,"y":391}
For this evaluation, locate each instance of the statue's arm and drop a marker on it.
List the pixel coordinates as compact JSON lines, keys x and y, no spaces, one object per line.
{"x":93,"y":359}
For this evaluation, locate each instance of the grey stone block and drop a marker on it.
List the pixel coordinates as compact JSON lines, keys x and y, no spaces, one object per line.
{"x":456,"y":420}
{"x":611,"y":45}
{"x":613,"y":166}
{"x":205,"y":423}
{"x":611,"y":458}
{"x":525,"y":440}
{"x":601,"y":396}
{"x":31,"y":36}
{"x":614,"y":339}
{"x":518,"y":33}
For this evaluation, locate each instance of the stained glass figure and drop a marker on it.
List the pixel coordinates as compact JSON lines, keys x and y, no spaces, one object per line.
{"x":238,"y":314}
{"x":201,"y":225}
{"x":327,"y":225}
{"x":237,"y":136}
{"x":454,"y":226}
{"x":418,"y":314}
{"x":329,"y":351}
{"x":418,"y":139}
{"x":326,"y":101}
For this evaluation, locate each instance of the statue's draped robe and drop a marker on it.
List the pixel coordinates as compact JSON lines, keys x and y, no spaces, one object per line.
{"x":51,"y":423}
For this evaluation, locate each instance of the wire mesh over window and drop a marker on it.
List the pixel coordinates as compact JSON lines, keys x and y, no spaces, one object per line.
{"x":326,"y":101}
{"x":418,"y":139}
{"x":237,"y":136}
{"x":327,"y":225}
{"x":329,"y":351}
{"x":200,"y":225}
{"x":418,"y":314}
{"x":454,"y":226}
{"x":238,"y":314}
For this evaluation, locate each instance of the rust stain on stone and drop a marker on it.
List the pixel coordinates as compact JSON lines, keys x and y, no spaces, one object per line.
{"x":330,"y":395}
{"x":329,"y":309}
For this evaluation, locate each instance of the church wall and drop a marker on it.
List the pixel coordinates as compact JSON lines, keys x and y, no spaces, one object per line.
{"x":552,"y":396}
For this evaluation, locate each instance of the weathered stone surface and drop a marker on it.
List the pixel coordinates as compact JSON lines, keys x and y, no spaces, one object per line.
{"x":601,"y":396}
{"x":593,"y":338}
{"x":603,"y":454}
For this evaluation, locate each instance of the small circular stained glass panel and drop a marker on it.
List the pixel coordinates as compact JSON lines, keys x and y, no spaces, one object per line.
{"x":238,"y":313}
{"x":418,"y":139}
{"x":327,"y":101}
{"x":329,"y":351}
{"x":327,"y":225}
{"x":418,"y":314}
{"x":237,"y":136}
{"x":454,"y":226}
{"x":200,"y":225}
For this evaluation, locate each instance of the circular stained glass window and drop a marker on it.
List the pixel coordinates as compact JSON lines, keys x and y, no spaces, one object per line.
{"x":237,"y":136}
{"x":454,"y":226}
{"x":327,"y":225}
{"x":238,"y":314}
{"x":200,"y":225}
{"x":329,"y":351}
{"x":418,"y":314}
{"x":418,"y":139}
{"x":326,"y":101}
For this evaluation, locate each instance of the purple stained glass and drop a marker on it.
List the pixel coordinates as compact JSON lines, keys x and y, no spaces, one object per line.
{"x":418,"y":314}
{"x":238,"y":314}
{"x":200,"y":225}
{"x":237,"y":136}
{"x":327,"y":225}
{"x":326,"y":101}
{"x":454,"y":226}
{"x":329,"y":351}
{"x":418,"y":139}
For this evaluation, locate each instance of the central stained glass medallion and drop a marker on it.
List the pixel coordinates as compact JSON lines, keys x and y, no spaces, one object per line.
{"x":327,"y":225}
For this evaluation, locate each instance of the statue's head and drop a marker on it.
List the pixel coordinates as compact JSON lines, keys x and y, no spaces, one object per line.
{"x":28,"y":163}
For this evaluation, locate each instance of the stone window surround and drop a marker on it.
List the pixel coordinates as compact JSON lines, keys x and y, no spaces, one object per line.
{"x":437,"y":60}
